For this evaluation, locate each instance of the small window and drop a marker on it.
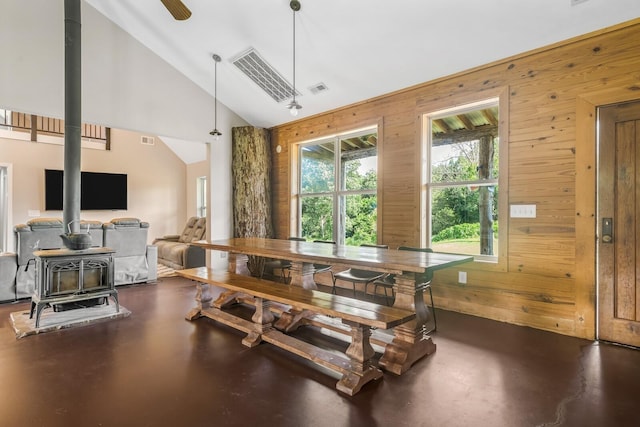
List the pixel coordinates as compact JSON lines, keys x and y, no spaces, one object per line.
{"x":5,"y":119}
{"x":201,"y":196}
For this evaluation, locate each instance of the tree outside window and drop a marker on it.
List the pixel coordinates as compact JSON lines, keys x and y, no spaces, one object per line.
{"x":338,"y":182}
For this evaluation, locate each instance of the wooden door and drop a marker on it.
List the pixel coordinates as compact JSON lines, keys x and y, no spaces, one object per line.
{"x":618,"y":224}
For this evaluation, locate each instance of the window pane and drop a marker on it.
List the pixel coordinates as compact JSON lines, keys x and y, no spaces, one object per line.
{"x":317,"y":169}
{"x":317,"y":218}
{"x":465,"y":220}
{"x":359,"y":160}
{"x":464,"y":146}
{"x":360,"y":223}
{"x":201,"y":196}
{"x":5,"y":119}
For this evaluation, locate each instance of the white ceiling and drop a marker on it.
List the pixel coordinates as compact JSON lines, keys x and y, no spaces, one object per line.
{"x":358,"y":48}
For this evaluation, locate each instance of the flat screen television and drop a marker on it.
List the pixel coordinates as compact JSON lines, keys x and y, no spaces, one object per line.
{"x":98,"y":190}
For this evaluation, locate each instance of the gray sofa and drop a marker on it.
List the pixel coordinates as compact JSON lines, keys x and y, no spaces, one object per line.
{"x":134,"y":260}
{"x":128,"y":237}
{"x":8,"y":268}
{"x":175,"y":250}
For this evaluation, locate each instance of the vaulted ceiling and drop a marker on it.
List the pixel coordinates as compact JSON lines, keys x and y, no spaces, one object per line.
{"x":351,"y":50}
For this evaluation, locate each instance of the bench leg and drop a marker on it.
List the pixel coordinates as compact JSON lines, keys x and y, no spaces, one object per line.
{"x":203,"y":300}
{"x":263,"y":319}
{"x":360,"y":353}
{"x":301,"y":274}
{"x":292,"y":320}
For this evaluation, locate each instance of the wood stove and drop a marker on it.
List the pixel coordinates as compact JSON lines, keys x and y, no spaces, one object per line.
{"x":65,"y":276}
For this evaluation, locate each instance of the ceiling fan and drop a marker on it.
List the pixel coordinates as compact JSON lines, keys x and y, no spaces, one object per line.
{"x":177,"y":9}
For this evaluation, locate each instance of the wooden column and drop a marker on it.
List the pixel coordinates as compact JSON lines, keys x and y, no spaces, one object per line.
{"x":251,"y":169}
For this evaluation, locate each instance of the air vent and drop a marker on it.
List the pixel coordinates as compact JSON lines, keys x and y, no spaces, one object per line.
{"x":147,"y":140}
{"x":264,"y":75}
{"x":317,"y":88}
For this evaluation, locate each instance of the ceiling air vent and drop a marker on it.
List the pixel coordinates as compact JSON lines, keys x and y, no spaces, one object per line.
{"x":264,"y":75}
{"x":317,"y":88}
{"x":147,"y":140}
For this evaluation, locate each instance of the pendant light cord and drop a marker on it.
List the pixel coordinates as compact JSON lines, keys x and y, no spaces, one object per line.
{"x":215,"y":94}
{"x":294,"y":55}
{"x":215,"y":132}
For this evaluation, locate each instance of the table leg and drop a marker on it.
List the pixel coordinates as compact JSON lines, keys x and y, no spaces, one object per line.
{"x":203,"y":300}
{"x":238,"y":264}
{"x":410,"y":342}
{"x":302,"y":275}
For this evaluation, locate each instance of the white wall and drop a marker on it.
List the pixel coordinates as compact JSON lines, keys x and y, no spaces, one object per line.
{"x":156,"y":180}
{"x":124,"y":85}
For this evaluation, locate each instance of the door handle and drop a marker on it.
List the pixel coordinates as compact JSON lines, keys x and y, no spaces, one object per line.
{"x":607,"y":230}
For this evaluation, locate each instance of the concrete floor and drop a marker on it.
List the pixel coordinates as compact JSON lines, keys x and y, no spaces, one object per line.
{"x":154,"y":368}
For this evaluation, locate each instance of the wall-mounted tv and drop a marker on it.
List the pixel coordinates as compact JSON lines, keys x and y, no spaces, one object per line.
{"x":98,"y":190}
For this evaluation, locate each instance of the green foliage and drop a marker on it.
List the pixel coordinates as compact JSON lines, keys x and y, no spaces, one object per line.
{"x":462,"y":231}
{"x":355,"y":181}
{"x":317,"y":211}
{"x":454,"y":205}
{"x":459,"y":205}
{"x":317,"y":218}
{"x":317,"y":175}
{"x":360,"y":221}
{"x":458,"y":231}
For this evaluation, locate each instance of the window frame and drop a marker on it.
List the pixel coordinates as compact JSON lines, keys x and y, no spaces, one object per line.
{"x":498,"y":261}
{"x":339,"y":192}
{"x":201,"y":196}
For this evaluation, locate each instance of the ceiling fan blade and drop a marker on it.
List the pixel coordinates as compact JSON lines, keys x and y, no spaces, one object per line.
{"x":177,"y":9}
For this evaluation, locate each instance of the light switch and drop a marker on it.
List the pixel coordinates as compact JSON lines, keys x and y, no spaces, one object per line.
{"x":523,"y":211}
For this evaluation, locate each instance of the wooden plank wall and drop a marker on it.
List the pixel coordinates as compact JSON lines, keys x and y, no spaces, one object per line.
{"x":548,"y":278}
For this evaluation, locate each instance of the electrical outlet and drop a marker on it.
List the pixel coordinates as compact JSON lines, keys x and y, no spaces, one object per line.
{"x":462,"y":277}
{"x":223,"y":255}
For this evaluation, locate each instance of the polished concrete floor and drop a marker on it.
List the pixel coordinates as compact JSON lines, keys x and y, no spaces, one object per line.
{"x":154,"y":368}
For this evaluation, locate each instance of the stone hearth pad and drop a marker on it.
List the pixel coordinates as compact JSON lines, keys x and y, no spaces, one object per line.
{"x":53,"y":321}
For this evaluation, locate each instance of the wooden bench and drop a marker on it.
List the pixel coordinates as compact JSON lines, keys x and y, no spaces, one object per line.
{"x":356,"y":366}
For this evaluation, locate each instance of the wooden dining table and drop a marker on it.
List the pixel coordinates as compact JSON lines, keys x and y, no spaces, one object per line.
{"x":413,"y":270}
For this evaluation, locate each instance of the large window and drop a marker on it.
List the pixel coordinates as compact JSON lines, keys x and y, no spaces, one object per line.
{"x":338,"y":188}
{"x":462,"y":150}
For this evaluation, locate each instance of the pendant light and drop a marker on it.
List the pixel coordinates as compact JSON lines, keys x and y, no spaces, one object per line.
{"x":293,"y":105}
{"x":215,"y":132}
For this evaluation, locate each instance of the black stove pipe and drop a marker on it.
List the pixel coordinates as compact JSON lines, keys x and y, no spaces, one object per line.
{"x":72,"y":115}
